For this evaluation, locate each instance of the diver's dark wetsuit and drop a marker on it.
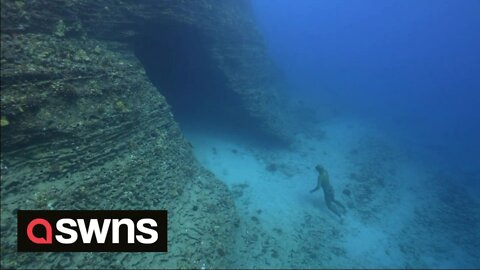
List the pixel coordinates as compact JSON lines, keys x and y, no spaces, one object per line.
{"x":324,"y":181}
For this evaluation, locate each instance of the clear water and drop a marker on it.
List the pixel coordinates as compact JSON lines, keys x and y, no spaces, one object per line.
{"x":385,"y":95}
{"x":396,"y":84}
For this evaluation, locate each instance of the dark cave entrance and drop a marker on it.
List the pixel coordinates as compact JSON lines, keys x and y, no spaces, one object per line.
{"x":178,"y":60}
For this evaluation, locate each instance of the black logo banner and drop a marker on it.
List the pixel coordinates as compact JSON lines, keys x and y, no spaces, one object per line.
{"x":92,"y":231}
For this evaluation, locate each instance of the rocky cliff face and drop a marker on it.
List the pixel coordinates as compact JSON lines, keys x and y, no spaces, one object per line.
{"x":83,"y":127}
{"x":224,"y":30}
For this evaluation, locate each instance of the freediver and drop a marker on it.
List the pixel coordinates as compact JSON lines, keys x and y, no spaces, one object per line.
{"x":328,"y":193}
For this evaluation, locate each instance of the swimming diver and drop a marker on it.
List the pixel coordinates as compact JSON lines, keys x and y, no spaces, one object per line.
{"x":324,"y":181}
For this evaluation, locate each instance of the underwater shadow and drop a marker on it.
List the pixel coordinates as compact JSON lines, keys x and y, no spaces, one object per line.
{"x":179,"y":61}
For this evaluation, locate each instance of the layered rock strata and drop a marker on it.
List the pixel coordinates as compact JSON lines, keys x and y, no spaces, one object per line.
{"x":84,"y":128}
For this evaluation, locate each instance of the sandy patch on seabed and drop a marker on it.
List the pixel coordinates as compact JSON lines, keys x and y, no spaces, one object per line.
{"x":390,"y":203}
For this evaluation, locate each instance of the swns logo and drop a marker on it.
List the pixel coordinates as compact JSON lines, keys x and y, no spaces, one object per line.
{"x":92,"y":231}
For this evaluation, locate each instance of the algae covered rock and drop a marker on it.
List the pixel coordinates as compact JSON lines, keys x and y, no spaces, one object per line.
{"x":83,"y":127}
{"x":225,"y":30}
{"x":89,"y":131}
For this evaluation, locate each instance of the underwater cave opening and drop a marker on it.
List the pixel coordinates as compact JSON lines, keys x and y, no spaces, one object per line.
{"x":178,"y":60}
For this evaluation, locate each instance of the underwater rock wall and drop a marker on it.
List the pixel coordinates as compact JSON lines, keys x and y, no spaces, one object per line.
{"x":84,"y":128}
{"x":234,"y":43}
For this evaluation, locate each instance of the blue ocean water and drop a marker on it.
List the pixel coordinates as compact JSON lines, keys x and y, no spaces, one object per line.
{"x":381,"y":169}
{"x":396,"y":86}
{"x":413,"y":66}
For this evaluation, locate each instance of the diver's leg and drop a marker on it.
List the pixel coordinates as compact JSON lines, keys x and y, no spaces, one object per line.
{"x":344,"y":210}
{"x":333,"y":208}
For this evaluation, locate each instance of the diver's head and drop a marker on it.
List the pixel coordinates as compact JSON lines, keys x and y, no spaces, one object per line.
{"x":319,"y":168}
